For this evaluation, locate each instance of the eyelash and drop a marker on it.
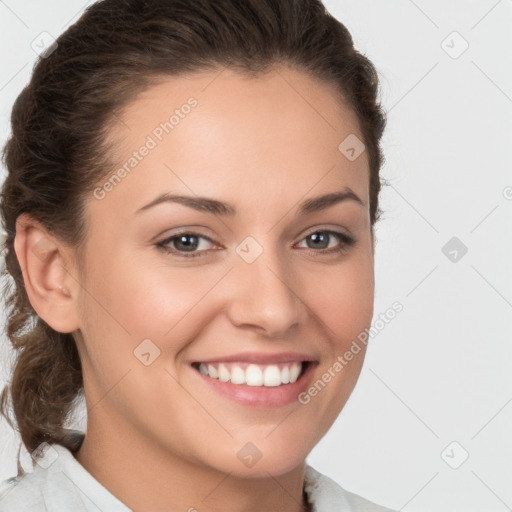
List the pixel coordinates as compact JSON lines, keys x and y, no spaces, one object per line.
{"x":346,"y":242}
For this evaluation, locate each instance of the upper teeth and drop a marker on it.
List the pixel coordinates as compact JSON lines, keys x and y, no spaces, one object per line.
{"x":253,"y":374}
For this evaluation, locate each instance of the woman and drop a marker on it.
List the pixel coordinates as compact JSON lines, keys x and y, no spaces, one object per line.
{"x":190,"y":205}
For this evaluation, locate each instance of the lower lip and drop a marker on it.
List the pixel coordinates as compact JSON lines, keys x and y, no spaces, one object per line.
{"x":262,"y":396}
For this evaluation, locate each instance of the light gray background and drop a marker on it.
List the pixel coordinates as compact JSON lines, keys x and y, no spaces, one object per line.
{"x":441,"y":370}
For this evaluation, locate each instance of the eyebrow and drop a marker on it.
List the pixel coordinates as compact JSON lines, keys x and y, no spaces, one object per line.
{"x":205,"y":204}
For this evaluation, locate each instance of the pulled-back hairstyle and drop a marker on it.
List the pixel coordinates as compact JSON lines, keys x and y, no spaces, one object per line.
{"x":58,"y":151}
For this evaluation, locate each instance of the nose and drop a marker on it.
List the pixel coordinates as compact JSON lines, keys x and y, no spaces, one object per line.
{"x":264,"y":295}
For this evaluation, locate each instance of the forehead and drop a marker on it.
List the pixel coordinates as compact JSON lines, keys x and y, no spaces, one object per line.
{"x":206,"y":131}
{"x":278,"y":98}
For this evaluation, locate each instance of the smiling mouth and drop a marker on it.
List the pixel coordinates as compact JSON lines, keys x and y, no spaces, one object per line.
{"x":256,"y":375}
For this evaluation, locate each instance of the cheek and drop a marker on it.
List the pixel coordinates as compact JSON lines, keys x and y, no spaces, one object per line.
{"x":155,"y":301}
{"x":342,"y":298}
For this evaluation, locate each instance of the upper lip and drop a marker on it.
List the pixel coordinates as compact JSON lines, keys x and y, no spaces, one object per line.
{"x":260,"y":358}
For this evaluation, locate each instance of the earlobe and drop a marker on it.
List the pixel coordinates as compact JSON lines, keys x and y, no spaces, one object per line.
{"x":47,"y":281}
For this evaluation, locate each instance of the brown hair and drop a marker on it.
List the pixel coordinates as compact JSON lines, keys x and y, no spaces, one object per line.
{"x":57,"y":151}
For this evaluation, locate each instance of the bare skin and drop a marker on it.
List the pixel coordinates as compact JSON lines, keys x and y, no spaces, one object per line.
{"x":158,"y":437}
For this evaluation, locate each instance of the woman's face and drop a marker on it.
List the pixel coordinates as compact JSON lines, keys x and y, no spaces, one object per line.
{"x":262,"y":280}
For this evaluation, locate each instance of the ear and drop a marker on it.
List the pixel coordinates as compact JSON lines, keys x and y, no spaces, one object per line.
{"x":51,"y":288}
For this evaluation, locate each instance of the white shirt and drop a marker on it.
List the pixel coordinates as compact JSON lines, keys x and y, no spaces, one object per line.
{"x":59,"y":483}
